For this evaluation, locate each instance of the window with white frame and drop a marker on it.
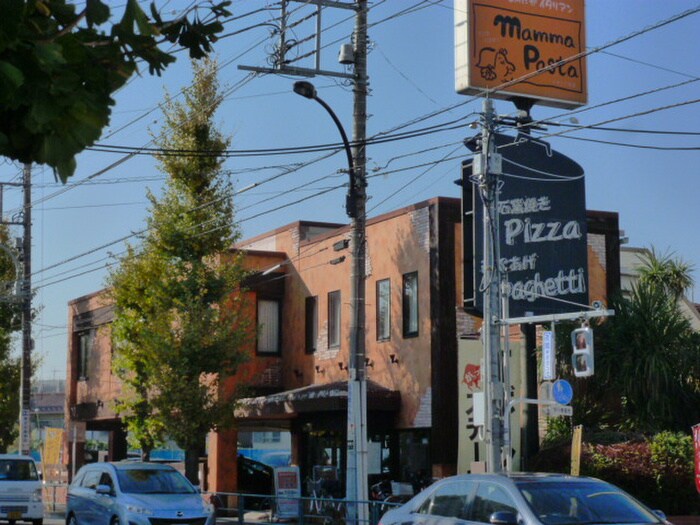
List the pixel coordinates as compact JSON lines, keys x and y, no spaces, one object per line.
{"x":410,"y":304}
{"x":268,"y":326}
{"x":334,"y":319}
{"x":85,"y":342}
{"x":383,"y":310}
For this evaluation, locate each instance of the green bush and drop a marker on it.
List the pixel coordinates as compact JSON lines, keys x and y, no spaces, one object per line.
{"x":672,"y":456}
{"x":658,"y":471}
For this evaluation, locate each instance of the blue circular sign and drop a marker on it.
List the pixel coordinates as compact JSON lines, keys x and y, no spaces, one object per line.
{"x":562,"y":392}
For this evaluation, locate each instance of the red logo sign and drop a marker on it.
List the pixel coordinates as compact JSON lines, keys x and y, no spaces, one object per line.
{"x":472,"y":377}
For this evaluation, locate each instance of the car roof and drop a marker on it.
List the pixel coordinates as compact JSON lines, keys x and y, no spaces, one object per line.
{"x":131,"y":465}
{"x":520,"y":477}
{"x":16,"y":456}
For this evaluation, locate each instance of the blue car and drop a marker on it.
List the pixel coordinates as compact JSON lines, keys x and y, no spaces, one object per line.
{"x":134,"y":493}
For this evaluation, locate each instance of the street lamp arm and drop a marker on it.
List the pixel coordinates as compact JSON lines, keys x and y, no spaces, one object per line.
{"x":346,"y":142}
{"x":307,"y":90}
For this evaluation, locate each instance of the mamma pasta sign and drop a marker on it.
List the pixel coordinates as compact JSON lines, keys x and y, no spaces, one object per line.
{"x":521,"y":48}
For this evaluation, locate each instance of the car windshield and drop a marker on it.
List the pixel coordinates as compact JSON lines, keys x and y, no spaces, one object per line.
{"x":583,"y":503}
{"x":153,"y":481}
{"x":18,"y":470}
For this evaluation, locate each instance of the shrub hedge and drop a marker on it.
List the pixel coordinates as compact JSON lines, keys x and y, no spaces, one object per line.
{"x":658,"y":470}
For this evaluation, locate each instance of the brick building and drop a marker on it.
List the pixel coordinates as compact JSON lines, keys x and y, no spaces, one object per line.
{"x":300,"y":291}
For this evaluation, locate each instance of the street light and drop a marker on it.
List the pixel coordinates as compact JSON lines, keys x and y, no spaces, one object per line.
{"x":356,"y":468}
{"x":308,"y":90}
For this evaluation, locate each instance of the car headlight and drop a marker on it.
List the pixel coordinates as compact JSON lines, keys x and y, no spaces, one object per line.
{"x":37,"y":496}
{"x":139,"y":510}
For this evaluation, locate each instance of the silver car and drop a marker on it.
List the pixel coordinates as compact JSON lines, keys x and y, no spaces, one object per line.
{"x":522,"y":499}
{"x":134,"y":493}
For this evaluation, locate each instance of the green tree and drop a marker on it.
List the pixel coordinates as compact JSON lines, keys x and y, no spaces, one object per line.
{"x":10,"y":366}
{"x":59,"y":68}
{"x":180,"y":327}
{"x":666,"y":271}
{"x":647,"y":375}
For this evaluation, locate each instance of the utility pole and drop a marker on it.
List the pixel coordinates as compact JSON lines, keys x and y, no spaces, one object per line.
{"x":26,"y":297}
{"x":487,"y":169}
{"x":356,"y":489}
{"x":356,"y":472}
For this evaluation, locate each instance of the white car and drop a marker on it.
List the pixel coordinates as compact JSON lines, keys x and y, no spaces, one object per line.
{"x":522,"y":499}
{"x":20,"y":490}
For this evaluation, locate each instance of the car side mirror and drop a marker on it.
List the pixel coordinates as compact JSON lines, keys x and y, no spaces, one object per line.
{"x":660,"y":514}
{"x":503,"y":517}
{"x":105,"y":490}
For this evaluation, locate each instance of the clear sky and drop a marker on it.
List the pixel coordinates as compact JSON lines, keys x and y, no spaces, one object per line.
{"x":411,"y":70}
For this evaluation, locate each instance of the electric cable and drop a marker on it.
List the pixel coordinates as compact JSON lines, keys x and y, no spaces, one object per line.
{"x":636,"y":146}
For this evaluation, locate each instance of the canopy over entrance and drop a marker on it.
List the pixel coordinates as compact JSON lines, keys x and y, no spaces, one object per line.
{"x":314,"y":398}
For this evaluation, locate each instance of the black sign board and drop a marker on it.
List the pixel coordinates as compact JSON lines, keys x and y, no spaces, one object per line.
{"x":542,"y":234}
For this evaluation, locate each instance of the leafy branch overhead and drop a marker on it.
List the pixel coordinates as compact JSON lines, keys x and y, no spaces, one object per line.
{"x":59,"y":68}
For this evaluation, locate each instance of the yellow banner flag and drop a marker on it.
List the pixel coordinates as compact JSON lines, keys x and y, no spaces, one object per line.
{"x":576,"y":450}
{"x":52,"y":446}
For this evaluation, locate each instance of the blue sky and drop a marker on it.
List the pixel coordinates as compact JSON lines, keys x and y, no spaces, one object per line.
{"x":411,"y":70}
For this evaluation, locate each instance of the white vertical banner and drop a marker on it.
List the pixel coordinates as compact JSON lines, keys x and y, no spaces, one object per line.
{"x":26,"y":436}
{"x":548,"y":357}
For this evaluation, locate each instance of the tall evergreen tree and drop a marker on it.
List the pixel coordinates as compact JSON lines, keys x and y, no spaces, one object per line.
{"x":10,"y":366}
{"x":179,"y":326}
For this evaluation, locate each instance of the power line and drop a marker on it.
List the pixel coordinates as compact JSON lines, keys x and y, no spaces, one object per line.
{"x":429,"y":165}
{"x":637,"y":146}
{"x":437,"y":128}
{"x":293,"y":203}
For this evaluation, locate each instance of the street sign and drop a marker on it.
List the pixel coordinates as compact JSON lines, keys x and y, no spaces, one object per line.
{"x":548,"y":361}
{"x":562,"y":392}
{"x":287,"y":491}
{"x":558,"y":410}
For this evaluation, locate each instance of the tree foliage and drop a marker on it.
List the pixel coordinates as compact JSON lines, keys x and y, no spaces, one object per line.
{"x":179,"y":326}
{"x":651,"y":358}
{"x":647,"y":357}
{"x":667,"y":272}
{"x":59,"y":68}
{"x":10,"y":366}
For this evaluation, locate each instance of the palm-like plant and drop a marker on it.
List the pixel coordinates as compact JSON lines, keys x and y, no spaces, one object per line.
{"x":647,"y":356}
{"x":651,"y":361}
{"x":666,"y":271}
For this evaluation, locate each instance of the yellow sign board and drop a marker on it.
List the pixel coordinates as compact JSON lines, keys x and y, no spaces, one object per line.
{"x":576,"y":450}
{"x":52,"y":446}
{"x":522,"y":48}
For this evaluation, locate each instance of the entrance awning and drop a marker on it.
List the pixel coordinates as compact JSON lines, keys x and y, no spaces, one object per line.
{"x":315,"y":398}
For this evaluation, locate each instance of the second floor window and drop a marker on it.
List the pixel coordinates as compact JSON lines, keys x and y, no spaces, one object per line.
{"x":311,"y":324}
{"x":268,"y":326}
{"x":334,"y":319}
{"x":383,"y":310}
{"x":85,"y":341}
{"x":410,"y":304}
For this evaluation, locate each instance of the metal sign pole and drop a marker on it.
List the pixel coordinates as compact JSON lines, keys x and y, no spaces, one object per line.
{"x":493,"y":387}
